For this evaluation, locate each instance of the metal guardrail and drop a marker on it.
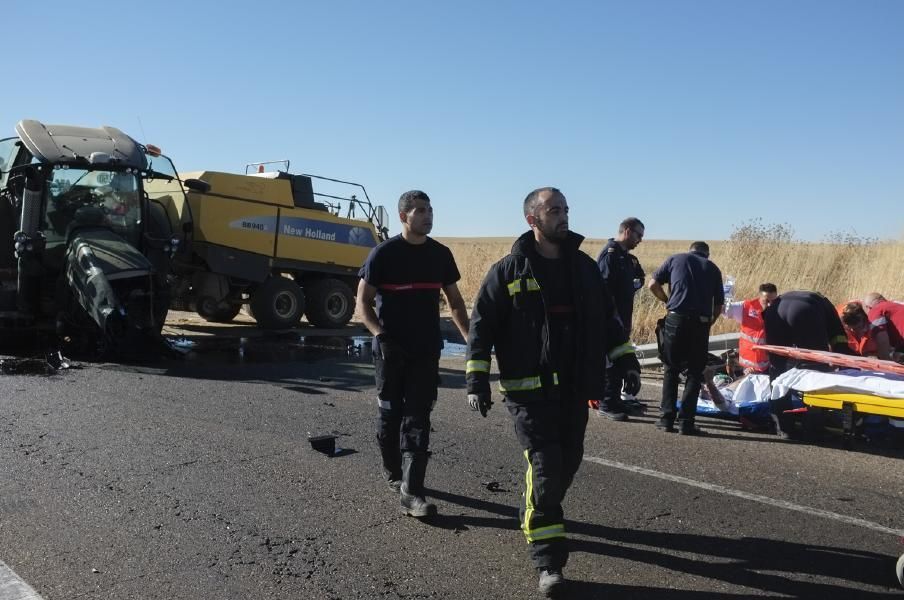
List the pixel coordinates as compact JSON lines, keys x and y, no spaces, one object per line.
{"x":648,"y":355}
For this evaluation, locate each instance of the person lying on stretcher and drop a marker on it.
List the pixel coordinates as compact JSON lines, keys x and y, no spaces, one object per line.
{"x":745,"y":398}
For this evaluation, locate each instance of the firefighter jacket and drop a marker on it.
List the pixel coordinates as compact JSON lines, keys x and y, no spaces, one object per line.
{"x":623,"y":276}
{"x":510,"y":315}
{"x":753,"y":332}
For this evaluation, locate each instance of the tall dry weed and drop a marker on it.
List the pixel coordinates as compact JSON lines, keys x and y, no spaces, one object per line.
{"x":843,"y":267}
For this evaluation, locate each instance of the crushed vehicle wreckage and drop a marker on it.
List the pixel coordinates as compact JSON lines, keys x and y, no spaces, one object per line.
{"x":84,"y":251}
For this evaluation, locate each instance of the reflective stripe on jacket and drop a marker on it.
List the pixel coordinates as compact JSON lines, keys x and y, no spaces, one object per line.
{"x":510,"y":317}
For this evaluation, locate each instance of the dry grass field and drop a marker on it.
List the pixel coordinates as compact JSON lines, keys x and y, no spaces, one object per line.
{"x":842,"y":270}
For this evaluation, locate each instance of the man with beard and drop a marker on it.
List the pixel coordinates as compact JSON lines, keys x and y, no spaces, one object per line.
{"x":545,"y":311}
{"x":623,"y":276}
{"x":404,"y":276}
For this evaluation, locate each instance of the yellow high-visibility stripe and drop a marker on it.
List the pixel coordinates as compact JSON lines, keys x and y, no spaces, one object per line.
{"x":477,"y":366}
{"x":525,"y":384}
{"x":839,"y":339}
{"x":531,"y":285}
{"x":626,"y":348}
{"x":540,"y":533}
{"x":545,"y":533}
{"x":528,"y":496}
{"x":520,"y":385}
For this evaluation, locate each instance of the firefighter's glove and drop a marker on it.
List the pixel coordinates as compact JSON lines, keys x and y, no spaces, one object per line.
{"x":629,"y":369}
{"x":387,"y":348}
{"x":481,"y":402}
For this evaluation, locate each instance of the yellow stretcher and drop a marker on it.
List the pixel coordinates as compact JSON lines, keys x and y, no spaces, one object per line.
{"x":862,"y":403}
{"x":851,"y":404}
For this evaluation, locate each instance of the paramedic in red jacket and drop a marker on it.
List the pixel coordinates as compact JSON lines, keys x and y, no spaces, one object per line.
{"x":856,"y":326}
{"x":886,"y":325}
{"x":749,"y":314}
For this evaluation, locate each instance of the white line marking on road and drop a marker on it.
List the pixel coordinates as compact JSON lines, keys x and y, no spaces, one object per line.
{"x":712,"y":487}
{"x":12,"y":587}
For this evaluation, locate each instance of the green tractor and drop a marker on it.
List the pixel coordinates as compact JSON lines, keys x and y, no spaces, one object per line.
{"x":84,"y":252}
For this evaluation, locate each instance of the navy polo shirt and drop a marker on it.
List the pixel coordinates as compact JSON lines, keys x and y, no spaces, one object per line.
{"x":695,"y":284}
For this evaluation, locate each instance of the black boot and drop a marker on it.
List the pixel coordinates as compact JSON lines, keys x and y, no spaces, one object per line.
{"x":392,"y":465}
{"x":392,"y":461}
{"x":552,"y":583}
{"x":411,"y":496}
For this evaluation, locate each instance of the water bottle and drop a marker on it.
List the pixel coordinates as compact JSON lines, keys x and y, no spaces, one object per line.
{"x":728,"y":289}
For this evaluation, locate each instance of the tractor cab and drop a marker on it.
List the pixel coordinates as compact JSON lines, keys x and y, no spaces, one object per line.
{"x":82,"y":249}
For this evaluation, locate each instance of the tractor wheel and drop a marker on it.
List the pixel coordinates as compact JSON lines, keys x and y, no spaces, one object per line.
{"x":217,"y":312}
{"x":277,"y":304}
{"x":331,"y":303}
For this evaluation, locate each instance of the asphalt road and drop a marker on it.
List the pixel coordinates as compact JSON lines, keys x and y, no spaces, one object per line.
{"x":194,"y":479}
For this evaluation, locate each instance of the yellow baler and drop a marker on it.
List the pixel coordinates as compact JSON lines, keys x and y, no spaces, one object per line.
{"x":266,"y":240}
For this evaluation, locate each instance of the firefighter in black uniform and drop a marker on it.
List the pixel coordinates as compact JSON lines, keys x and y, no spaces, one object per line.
{"x":404,"y":276}
{"x":545,"y":311}
{"x":623,"y":276}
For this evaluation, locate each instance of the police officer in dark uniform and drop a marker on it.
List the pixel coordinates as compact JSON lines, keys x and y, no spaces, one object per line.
{"x":404,"y":275}
{"x":623,"y":276}
{"x":694,"y":301}
{"x":545,"y":310}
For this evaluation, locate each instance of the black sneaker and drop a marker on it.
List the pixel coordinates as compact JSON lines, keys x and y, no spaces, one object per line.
{"x":635,"y":408}
{"x":691,"y":430}
{"x":552,"y":583}
{"x":613,"y":415}
{"x":664,"y":426}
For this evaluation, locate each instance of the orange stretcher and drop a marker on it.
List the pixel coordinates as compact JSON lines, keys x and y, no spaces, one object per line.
{"x":866,"y":363}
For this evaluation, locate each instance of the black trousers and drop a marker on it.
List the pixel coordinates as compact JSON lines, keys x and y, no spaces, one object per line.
{"x":612,"y":392}
{"x":685,"y":345}
{"x":406,"y":393}
{"x":551,"y":432}
{"x":798,"y":319}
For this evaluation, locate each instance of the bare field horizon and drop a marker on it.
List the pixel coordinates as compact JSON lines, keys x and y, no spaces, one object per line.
{"x":842,"y":271}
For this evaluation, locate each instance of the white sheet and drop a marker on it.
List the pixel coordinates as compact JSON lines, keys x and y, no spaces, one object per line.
{"x":848,"y":380}
{"x":752,"y":389}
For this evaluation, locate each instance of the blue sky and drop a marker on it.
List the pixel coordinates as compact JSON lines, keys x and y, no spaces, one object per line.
{"x":693,"y":115}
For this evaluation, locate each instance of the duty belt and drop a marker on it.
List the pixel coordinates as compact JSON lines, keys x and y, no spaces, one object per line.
{"x":699,"y":318}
